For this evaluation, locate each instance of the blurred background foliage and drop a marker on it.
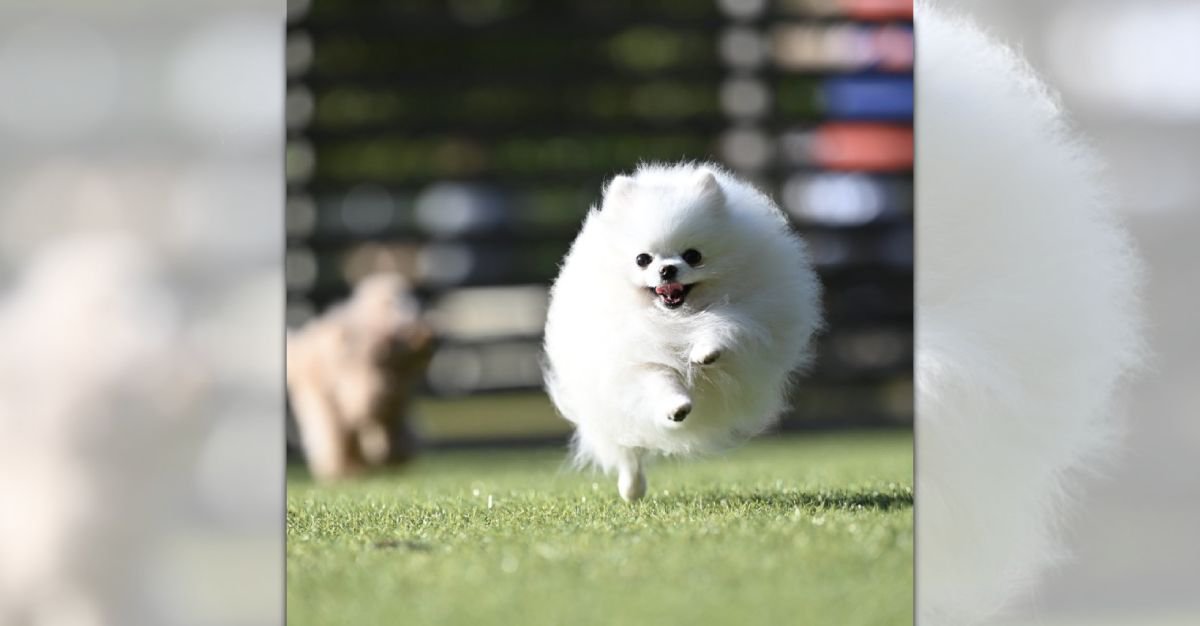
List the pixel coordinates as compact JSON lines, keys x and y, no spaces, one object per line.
{"x":462,"y":143}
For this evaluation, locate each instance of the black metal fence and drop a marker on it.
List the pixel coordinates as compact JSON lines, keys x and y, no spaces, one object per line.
{"x":462,"y":142}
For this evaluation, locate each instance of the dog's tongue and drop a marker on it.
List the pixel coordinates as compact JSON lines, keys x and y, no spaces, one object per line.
{"x":672,"y":291}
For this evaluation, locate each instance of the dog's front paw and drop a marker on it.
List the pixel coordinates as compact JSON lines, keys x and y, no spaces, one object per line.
{"x":678,"y":408}
{"x":704,"y":355}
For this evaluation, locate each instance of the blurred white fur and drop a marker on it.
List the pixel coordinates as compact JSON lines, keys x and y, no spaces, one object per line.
{"x":93,"y":388}
{"x":621,"y":363}
{"x":1027,"y":319}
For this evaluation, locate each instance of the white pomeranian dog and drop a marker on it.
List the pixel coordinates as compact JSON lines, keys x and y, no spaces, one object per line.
{"x":679,"y":315}
{"x":1027,"y":319}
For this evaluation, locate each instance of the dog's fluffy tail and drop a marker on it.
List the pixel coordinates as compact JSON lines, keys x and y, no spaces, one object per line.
{"x":1027,"y":293}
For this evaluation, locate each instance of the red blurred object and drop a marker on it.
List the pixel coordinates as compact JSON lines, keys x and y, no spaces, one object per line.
{"x":878,"y":9}
{"x":871,"y":147}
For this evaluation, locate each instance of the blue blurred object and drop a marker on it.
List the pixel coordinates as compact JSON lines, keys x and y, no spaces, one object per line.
{"x":868,"y":97}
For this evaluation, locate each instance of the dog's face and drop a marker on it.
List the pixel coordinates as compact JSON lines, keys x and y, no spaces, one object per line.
{"x":387,"y":321}
{"x":669,"y":240}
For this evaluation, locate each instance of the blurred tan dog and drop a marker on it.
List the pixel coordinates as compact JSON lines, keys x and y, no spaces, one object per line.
{"x":350,"y":375}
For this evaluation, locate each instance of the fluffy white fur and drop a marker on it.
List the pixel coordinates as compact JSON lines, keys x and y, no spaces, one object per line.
{"x":1027,"y":319}
{"x":621,"y":364}
{"x":97,"y":390}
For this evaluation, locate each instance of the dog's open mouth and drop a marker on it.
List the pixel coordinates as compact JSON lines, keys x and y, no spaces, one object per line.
{"x":672,"y":295}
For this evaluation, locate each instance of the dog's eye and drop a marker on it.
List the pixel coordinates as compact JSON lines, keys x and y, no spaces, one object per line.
{"x":691,"y":256}
{"x":643,"y":259}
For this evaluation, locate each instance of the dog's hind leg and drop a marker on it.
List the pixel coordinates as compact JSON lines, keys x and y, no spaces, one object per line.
{"x":631,"y":479}
{"x":374,"y":443}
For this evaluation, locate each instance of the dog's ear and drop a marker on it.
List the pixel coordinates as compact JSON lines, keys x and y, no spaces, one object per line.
{"x":617,"y":192}
{"x":709,"y":190}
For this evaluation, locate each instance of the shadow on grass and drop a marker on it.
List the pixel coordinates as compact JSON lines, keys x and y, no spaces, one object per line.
{"x":788,"y":501}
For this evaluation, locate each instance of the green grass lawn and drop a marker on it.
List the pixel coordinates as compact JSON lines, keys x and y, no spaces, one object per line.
{"x":810,"y":530}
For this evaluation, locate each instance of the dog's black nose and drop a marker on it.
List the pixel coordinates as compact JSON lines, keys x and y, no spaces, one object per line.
{"x":668,"y":272}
